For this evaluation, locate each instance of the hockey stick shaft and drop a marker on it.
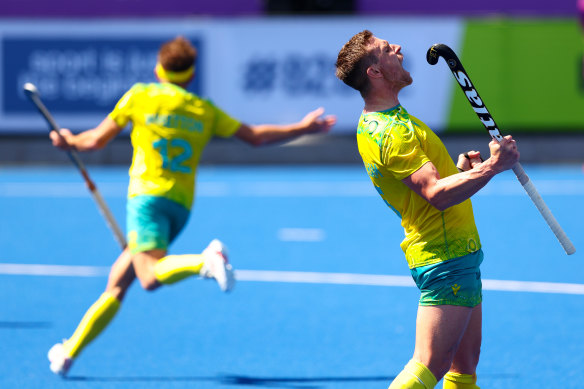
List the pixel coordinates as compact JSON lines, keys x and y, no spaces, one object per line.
{"x":478,"y":105}
{"x":33,"y":94}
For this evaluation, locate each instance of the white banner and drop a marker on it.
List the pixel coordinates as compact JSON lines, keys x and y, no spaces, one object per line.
{"x":258,"y":70}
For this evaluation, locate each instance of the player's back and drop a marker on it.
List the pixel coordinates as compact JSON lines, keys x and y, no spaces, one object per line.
{"x":171,"y":127}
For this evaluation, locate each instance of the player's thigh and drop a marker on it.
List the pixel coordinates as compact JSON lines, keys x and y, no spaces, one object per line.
{"x":439,"y":331}
{"x":145,"y":261}
{"x":467,"y":355}
{"x":121,"y":275}
{"x":449,"y":292}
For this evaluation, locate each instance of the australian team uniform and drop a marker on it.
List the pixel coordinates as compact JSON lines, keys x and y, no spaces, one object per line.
{"x":171,"y":127}
{"x":442,"y":248}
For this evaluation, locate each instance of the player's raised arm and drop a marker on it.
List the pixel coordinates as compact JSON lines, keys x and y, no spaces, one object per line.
{"x":263,"y":134}
{"x":445,"y":192}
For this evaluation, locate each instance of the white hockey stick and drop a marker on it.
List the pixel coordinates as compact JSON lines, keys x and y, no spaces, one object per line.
{"x":33,"y":94}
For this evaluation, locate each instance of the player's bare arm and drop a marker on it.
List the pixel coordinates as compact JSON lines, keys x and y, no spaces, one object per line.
{"x":443,"y":193}
{"x":93,"y":139}
{"x":262,"y":134}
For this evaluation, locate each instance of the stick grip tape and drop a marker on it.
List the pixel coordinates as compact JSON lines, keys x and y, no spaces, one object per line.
{"x":543,"y":209}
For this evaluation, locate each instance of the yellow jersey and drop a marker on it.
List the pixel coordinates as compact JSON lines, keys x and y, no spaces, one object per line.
{"x":171,"y":127}
{"x":393,"y":145}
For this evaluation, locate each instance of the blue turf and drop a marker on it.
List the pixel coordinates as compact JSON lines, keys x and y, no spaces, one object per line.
{"x":279,"y":335}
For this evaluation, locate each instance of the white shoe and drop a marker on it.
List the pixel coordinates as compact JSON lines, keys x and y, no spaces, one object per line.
{"x":60,"y":361}
{"x":217,"y":266}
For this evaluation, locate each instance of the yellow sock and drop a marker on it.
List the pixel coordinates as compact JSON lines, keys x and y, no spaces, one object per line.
{"x":414,"y":376}
{"x":97,"y":317}
{"x":174,"y":268}
{"x":460,"y":381}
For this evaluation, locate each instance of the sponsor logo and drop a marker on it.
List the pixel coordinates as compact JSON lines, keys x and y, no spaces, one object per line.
{"x":477,"y":104}
{"x":455,"y":288}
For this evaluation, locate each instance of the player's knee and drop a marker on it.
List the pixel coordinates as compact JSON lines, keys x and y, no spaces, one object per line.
{"x":475,"y":356}
{"x":149,"y":283}
{"x":439,"y":364}
{"x":472,"y":354}
{"x":444,"y":362}
{"x":467,"y":360}
{"x":116,"y":291}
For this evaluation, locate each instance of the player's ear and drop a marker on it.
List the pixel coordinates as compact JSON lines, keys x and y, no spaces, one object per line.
{"x":373,"y":71}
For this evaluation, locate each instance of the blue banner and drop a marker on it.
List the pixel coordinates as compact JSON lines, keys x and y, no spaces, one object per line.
{"x":77,"y":75}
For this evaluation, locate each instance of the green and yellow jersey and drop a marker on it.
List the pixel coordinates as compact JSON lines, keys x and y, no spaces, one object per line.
{"x":393,"y":145}
{"x":171,"y":127}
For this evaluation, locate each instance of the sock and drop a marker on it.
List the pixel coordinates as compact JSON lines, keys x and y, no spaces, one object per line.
{"x":174,"y":268}
{"x":414,"y":376}
{"x":97,"y":317}
{"x":460,"y":381}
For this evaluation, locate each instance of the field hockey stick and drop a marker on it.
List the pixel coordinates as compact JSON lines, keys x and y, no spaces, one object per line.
{"x":441,"y":50}
{"x":33,"y":94}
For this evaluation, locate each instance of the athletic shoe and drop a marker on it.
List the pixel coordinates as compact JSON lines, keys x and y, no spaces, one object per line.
{"x":217,"y":266}
{"x":60,"y":361}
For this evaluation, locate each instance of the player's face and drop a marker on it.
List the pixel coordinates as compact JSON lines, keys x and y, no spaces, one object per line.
{"x":390,"y":61}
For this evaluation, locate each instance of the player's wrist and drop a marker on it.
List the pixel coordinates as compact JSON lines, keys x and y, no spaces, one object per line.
{"x":490,"y":167}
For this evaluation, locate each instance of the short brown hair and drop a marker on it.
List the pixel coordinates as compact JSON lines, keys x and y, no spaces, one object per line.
{"x":177,"y":55}
{"x":353,"y":61}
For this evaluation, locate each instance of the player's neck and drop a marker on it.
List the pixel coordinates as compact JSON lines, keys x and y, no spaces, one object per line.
{"x":183,"y":85}
{"x":380,"y":103}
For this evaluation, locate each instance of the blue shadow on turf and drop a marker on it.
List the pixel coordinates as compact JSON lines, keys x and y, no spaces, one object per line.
{"x":273,"y":382}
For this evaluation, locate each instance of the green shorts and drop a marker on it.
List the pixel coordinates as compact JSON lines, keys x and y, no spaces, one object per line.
{"x":453,"y":282}
{"x":153,"y":222}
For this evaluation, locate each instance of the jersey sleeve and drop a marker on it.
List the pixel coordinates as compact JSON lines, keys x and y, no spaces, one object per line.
{"x":401,"y":151}
{"x":224,"y":126}
{"x":122,"y":113}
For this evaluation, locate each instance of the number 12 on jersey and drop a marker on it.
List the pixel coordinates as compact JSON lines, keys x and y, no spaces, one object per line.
{"x":175,"y":153}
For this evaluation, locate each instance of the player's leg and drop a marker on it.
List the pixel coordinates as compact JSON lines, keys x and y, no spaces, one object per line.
{"x":212,"y":263}
{"x":462,"y":373}
{"x":97,"y":317}
{"x":144,"y":263}
{"x":154,"y":223}
{"x":439,"y":331}
{"x":450,"y":290}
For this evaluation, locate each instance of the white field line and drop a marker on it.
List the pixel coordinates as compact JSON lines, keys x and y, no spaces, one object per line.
{"x":301,"y":234}
{"x":303,"y":278}
{"x":53,"y":270}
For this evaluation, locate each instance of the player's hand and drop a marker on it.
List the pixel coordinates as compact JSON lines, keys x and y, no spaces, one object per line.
{"x":62,"y":141}
{"x":504,"y":153}
{"x":469,"y":160}
{"x":315,"y":122}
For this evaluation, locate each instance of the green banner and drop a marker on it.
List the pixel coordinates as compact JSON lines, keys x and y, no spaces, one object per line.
{"x":527,"y":71}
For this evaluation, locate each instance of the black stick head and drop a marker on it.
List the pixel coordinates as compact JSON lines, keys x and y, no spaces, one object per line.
{"x":441,"y":50}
